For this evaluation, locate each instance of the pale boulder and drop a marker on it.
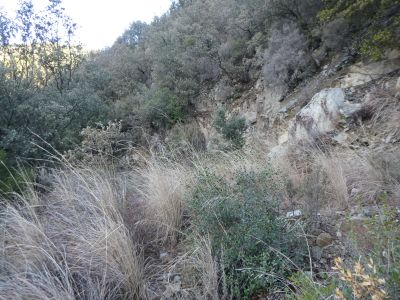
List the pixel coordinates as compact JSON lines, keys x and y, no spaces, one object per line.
{"x":321,"y":115}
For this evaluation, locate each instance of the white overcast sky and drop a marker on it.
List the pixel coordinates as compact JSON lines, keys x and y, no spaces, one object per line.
{"x":102,"y":21}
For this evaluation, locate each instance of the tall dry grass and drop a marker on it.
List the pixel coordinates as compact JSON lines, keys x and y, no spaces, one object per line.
{"x":71,"y":243}
{"x":164,"y":187}
{"x":80,"y":239}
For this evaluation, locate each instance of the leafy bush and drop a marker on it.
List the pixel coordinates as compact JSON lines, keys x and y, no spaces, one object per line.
{"x":7,"y":183}
{"x":232,"y":130}
{"x":258,"y":247}
{"x":10,"y":179}
{"x":368,"y":18}
{"x":165,"y":109}
{"x":307,"y":289}
{"x":375,"y":45}
{"x":385,"y":234}
{"x":102,"y":144}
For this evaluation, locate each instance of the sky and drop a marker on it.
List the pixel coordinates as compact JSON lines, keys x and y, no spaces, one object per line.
{"x":101,"y":22}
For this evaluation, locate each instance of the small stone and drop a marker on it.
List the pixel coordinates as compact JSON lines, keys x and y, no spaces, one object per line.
{"x":324,"y":239}
{"x":283,"y":110}
{"x":164,"y":255}
{"x":354,"y":191}
{"x":283,"y":138}
{"x":177,"y":279}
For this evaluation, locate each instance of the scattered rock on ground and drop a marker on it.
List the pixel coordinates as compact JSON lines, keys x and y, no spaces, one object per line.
{"x":324,"y":239}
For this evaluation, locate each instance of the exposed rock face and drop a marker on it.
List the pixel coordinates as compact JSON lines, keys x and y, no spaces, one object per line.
{"x":362,"y":73}
{"x":321,"y":115}
{"x":398,"y":88}
{"x":268,"y":104}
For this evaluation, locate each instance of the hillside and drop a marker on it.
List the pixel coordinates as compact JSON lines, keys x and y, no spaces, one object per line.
{"x":228,"y":150}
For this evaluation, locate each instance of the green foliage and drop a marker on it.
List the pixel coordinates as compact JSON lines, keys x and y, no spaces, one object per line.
{"x":385,"y":234}
{"x":232,"y":130}
{"x":165,"y":109}
{"x":374,"y":47}
{"x":6,"y":182}
{"x":375,"y":21}
{"x":246,"y":230}
{"x":350,"y":8}
{"x":56,"y":118}
{"x":45,"y":52}
{"x":133,"y":35}
{"x":42,"y":92}
{"x":307,"y":289}
{"x":10,"y":180}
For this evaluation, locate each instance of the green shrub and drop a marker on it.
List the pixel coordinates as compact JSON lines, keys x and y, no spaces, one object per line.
{"x":374,"y":46}
{"x":255,"y":243}
{"x":10,"y":180}
{"x":385,"y":233}
{"x":375,"y":23}
{"x":165,"y":109}
{"x":307,"y":289}
{"x":232,"y":130}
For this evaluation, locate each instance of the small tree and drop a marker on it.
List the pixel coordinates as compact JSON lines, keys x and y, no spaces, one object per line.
{"x":232,"y":130}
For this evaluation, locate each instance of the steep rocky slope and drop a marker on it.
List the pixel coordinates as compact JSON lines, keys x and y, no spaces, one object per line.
{"x":315,"y":108}
{"x":348,"y":110}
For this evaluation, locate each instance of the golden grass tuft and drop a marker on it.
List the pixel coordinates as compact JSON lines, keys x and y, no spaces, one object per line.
{"x":164,"y":188}
{"x":71,"y":243}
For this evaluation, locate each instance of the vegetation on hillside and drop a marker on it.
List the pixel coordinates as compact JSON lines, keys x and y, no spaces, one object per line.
{"x":155,"y":74}
{"x":129,"y":204}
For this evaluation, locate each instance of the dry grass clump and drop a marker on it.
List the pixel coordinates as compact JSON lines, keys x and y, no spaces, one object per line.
{"x":384,"y":111}
{"x":201,"y":260}
{"x":70,"y":244}
{"x":326,"y":180}
{"x":334,"y":172}
{"x":164,"y":188}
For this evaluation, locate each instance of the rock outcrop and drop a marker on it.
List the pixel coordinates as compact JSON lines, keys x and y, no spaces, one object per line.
{"x":361,"y":73}
{"x":321,"y":115}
